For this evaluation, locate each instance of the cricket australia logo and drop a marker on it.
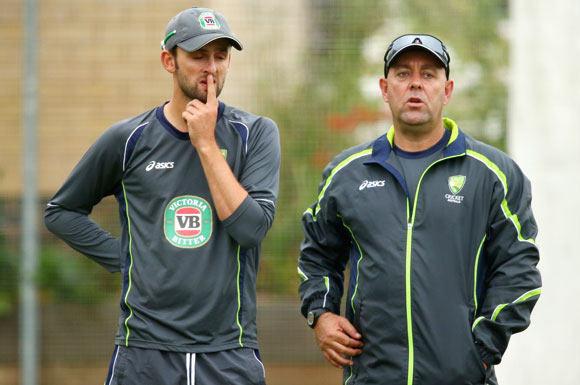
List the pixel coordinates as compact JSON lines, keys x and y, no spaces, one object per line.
{"x":455,"y":183}
{"x":207,"y":20}
{"x":188,"y":222}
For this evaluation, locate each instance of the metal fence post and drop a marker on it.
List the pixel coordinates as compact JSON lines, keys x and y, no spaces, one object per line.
{"x":29,"y":346}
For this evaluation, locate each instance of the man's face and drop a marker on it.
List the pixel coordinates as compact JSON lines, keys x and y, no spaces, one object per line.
{"x":192,"y":68}
{"x":416,"y":88}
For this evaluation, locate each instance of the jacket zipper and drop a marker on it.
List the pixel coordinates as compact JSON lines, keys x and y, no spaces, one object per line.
{"x":408,"y":256}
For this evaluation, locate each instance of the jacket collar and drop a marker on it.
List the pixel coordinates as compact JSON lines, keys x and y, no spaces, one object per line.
{"x":383,"y":145}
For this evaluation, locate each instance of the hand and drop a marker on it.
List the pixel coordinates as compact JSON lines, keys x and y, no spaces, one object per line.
{"x":337,"y":339}
{"x":201,"y":118}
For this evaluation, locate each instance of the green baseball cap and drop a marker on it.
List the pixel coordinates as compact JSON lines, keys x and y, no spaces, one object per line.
{"x":195,"y":27}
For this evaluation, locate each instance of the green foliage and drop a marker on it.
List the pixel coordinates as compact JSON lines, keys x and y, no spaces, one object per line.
{"x":334,"y":65}
{"x":8,"y":278}
{"x":63,"y":276}
{"x":66,"y":276}
{"x":472,"y":30}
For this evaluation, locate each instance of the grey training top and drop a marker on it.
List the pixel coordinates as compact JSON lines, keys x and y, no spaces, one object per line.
{"x":412,"y":164}
{"x":188,"y":278}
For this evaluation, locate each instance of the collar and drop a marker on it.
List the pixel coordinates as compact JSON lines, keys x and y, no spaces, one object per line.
{"x":383,"y":146}
{"x":174,"y":131}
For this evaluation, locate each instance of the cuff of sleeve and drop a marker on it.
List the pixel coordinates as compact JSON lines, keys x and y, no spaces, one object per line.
{"x":239,"y":212}
{"x":329,"y":305}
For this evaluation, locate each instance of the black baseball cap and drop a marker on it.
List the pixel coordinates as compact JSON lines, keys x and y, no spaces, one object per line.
{"x":429,"y":43}
{"x":195,"y":27}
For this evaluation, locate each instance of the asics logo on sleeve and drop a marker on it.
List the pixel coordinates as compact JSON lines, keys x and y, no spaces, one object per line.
{"x":158,"y":165}
{"x":371,"y":184}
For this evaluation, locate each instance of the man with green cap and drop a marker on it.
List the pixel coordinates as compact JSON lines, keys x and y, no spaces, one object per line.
{"x":196,"y":181}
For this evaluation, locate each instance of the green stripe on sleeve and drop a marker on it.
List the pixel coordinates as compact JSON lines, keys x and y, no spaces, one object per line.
{"x":513,"y":218}
{"x":127,"y":330}
{"x":239,"y":299}
{"x":336,"y":169}
{"x":498,"y":309}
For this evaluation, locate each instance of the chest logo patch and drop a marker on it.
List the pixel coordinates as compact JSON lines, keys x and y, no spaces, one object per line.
{"x":455,"y":183}
{"x":187,"y":222}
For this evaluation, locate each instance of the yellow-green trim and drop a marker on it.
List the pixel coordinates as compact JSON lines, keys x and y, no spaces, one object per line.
{"x":448,"y":123}
{"x":524,"y":297}
{"x":327,"y":285}
{"x":498,"y":309}
{"x":408,"y":257}
{"x":127,"y":330}
{"x":451,"y":125}
{"x":504,"y":204}
{"x":302,"y":275}
{"x":239,"y":299}
{"x":475,"y":304}
{"x":357,"y":267}
{"x":476,"y":322}
{"x":408,"y":308}
{"x":349,"y":377}
{"x":391,"y":135}
{"x":336,"y":169}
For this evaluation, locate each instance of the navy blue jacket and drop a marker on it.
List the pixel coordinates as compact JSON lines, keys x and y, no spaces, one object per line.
{"x":439,"y":281}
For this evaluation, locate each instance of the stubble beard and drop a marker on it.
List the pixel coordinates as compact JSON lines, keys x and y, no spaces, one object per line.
{"x":192,"y":90}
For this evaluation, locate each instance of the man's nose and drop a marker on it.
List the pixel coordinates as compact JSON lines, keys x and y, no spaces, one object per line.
{"x":211,"y":66}
{"x":416,"y":80}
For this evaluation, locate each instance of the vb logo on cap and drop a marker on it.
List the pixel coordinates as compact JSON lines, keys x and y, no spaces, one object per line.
{"x":207,"y":20}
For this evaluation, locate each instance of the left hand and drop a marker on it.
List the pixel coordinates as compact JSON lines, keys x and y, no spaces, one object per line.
{"x":201,"y":117}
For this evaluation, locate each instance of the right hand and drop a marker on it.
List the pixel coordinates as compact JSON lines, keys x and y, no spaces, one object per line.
{"x":338,"y":339}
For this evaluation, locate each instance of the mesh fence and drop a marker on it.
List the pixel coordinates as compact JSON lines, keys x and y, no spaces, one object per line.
{"x":312,"y":66}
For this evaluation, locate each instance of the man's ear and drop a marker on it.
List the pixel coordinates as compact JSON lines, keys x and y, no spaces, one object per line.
{"x":168,"y":61}
{"x":384,"y":86}
{"x":449,"y":84}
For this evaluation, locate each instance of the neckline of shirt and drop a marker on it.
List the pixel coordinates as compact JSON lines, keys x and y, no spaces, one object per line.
{"x":171,"y":128}
{"x":424,"y":153}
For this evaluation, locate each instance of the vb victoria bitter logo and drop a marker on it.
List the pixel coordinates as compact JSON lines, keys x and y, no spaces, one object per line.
{"x":188,"y":222}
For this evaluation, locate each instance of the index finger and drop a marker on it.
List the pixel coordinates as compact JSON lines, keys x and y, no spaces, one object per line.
{"x":211,"y":89}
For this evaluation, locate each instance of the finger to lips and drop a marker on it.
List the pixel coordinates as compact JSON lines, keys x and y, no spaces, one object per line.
{"x":211,"y":89}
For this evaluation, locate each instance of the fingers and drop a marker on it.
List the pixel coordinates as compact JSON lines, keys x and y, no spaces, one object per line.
{"x":345,"y":340}
{"x":347,"y":327}
{"x":344,"y":349}
{"x":211,"y":90}
{"x":336,"y":359}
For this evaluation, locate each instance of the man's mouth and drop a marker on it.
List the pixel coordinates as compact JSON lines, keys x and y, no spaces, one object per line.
{"x":415,"y":100}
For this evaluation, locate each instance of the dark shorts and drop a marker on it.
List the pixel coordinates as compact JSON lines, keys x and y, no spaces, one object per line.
{"x":136,"y":366}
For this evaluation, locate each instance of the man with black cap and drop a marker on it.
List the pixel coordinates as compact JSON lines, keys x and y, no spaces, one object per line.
{"x":196,"y":182}
{"x":439,"y":234}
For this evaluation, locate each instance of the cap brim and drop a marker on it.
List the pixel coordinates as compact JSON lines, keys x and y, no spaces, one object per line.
{"x":197,"y":42}
{"x":421,"y":46}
